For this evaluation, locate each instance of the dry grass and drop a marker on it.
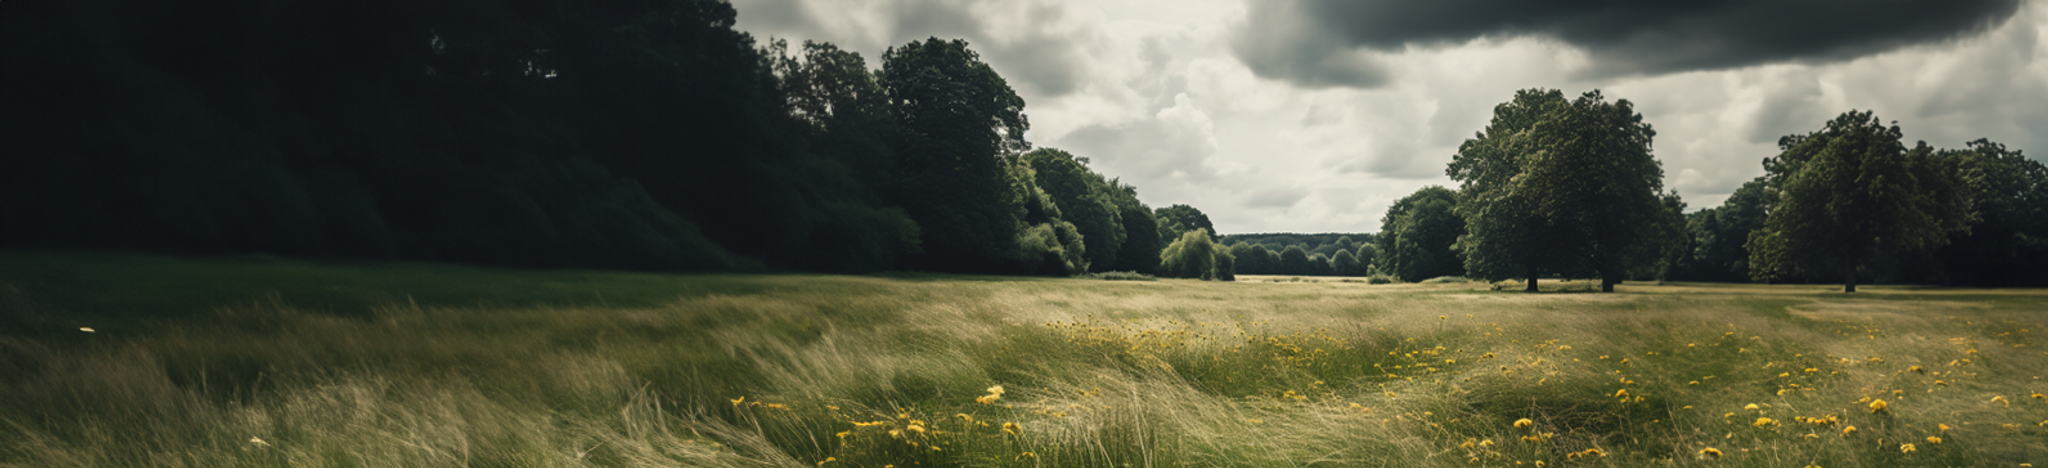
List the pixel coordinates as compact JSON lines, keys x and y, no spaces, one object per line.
{"x":804,"y":370}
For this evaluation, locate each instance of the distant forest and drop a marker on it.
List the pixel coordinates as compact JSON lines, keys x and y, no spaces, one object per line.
{"x":642,"y":134}
{"x":1323,"y":254}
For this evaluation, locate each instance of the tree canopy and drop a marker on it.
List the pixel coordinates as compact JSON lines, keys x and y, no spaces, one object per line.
{"x":1851,"y":193}
{"x":1564,"y":187}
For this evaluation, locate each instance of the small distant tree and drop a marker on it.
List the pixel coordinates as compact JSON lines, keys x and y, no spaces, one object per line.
{"x":1345,"y":243}
{"x":1226,"y":265}
{"x":1346,"y":264}
{"x":1368,"y":256}
{"x":1418,"y":234}
{"x":1293,"y":260}
{"x":1193,"y":255}
{"x":1251,"y":259}
{"x":1318,"y":265}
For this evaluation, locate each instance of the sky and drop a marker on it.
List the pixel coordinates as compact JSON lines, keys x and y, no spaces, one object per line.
{"x":1315,"y":115}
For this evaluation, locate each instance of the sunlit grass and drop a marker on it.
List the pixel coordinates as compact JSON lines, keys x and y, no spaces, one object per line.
{"x":938,"y":371}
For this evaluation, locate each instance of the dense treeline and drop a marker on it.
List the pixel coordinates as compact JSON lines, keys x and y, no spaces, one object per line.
{"x":635,"y":134}
{"x":1556,"y":187}
{"x":1851,"y":202}
{"x":1324,"y":254}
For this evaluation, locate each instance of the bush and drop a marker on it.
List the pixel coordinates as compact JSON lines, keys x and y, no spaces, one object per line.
{"x":1119,"y":276}
{"x":1381,"y":279}
{"x":1446,"y":279}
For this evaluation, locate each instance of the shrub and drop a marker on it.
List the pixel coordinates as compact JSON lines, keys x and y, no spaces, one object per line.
{"x":1119,"y":276}
{"x":1381,"y":279}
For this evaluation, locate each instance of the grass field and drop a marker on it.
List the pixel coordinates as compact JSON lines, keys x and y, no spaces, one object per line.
{"x":264,"y":362}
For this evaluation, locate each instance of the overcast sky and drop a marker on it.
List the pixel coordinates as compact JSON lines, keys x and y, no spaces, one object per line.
{"x":1314,"y":115}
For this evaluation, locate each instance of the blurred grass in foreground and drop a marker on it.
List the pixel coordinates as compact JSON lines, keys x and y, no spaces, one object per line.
{"x":258,"y":362}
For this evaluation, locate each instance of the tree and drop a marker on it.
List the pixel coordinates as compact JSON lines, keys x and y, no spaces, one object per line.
{"x":1193,"y":255}
{"x":1226,"y":265}
{"x":1719,"y":234}
{"x":1345,"y":243}
{"x":1318,"y":265}
{"x":1140,"y":251}
{"x":1046,"y":244}
{"x":1418,"y":233}
{"x":1852,"y":193}
{"x":1576,"y":189}
{"x":1346,"y":264}
{"x":1369,"y":256}
{"x":1084,"y":199}
{"x":1177,"y":219}
{"x":1249,"y":258}
{"x":1592,"y":172}
{"x":1293,"y":261}
{"x":2010,"y":242}
{"x":1503,"y":237}
{"x":957,"y":119}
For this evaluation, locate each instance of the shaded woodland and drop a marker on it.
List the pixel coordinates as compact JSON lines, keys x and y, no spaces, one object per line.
{"x":637,"y":134}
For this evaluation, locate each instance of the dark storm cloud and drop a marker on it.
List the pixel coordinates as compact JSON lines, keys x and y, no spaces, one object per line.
{"x":1284,"y":40}
{"x":1295,"y":40}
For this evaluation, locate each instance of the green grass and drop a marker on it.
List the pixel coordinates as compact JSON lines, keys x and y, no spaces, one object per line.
{"x":399,"y":364}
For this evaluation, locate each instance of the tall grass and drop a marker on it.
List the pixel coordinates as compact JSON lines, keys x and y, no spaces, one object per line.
{"x":857,"y":371}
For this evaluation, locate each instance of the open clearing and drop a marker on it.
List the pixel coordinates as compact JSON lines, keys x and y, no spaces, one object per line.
{"x":257,"y":362}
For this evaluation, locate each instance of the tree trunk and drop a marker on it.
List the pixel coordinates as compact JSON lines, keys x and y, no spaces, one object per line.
{"x":1532,"y":281}
{"x":1609,"y":277}
{"x":1849,"y":279}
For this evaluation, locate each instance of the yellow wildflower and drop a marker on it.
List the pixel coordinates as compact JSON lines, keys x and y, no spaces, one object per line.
{"x":1013,"y":428}
{"x":1943,"y":427}
{"x":1933,"y":440}
{"x":1751,"y":407}
{"x":827,"y":460}
{"x":1879,"y":406}
{"x":1907,"y":448}
{"x":1848,"y":430}
{"x":2001,"y":399}
{"x":1764,"y":422}
{"x":736,"y":401}
{"x":1621,"y":392}
{"x":1710,"y":452}
{"x":1524,"y":422}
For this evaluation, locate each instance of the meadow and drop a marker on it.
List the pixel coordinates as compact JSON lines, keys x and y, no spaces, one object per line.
{"x":217,"y":362}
